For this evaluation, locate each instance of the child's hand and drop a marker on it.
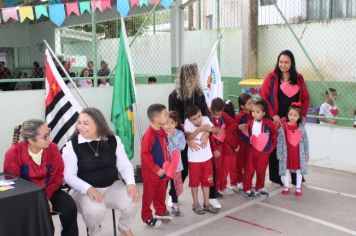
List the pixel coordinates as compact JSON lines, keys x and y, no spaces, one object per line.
{"x":193,"y":145}
{"x":220,"y":131}
{"x":205,"y":128}
{"x":237,"y":149}
{"x":204,"y":141}
{"x":216,"y":154}
{"x":161,"y":172}
{"x":243,"y":127}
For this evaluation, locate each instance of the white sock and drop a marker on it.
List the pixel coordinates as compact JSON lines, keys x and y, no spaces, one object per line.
{"x":299,"y":179}
{"x":285,"y":179}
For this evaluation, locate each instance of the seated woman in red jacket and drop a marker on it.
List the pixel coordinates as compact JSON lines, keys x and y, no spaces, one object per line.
{"x":38,"y":160}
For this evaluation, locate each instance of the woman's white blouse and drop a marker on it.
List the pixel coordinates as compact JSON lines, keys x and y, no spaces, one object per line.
{"x":70,"y":159}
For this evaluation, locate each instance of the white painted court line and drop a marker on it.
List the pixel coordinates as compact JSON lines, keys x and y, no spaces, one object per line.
{"x":221,"y":215}
{"x":331,"y":191}
{"x":316,"y":220}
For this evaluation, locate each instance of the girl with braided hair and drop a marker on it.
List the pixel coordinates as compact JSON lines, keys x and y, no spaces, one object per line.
{"x":38,"y":160}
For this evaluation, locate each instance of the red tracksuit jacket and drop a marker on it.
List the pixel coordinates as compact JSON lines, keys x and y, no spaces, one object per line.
{"x":154,"y":153}
{"x":224,"y":119}
{"x":267,"y":127}
{"x":269,"y":93}
{"x":48,"y":175}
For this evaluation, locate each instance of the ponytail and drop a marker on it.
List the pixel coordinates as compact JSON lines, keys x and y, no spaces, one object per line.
{"x":16,"y":135}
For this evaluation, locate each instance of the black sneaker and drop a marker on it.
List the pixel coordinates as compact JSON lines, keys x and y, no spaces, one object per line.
{"x":166,"y":218}
{"x":263,"y":192}
{"x":154,"y":223}
{"x":250,"y":194}
{"x":218,"y":195}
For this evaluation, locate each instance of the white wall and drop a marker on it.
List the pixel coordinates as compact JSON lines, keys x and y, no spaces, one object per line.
{"x":23,"y":105}
{"x":332,"y":147}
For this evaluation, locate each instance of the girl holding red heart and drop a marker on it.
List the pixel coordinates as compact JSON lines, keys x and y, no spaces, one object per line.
{"x":263,"y":138}
{"x":176,"y":144}
{"x":293,"y":148}
{"x":280,"y":88}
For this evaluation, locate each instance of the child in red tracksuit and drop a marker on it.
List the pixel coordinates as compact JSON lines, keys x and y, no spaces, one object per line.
{"x":245,"y":106}
{"x":263,"y":139}
{"x":154,"y":152}
{"x":222,"y":162}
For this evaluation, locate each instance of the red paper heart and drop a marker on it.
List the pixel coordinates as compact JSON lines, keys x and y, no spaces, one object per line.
{"x":219,"y":137}
{"x":294,"y":137}
{"x":170,"y":167}
{"x":289,"y":89}
{"x":259,"y":142}
{"x":245,"y":132}
{"x":334,"y":112}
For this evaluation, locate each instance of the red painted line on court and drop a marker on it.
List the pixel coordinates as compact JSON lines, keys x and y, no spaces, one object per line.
{"x":253,"y":224}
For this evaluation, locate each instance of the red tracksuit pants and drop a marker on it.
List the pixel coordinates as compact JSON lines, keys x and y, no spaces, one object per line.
{"x":154,"y":191}
{"x":241,"y":161}
{"x":256,"y":162}
{"x":228,"y":166}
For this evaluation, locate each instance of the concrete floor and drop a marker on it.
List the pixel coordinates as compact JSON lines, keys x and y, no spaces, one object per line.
{"x":327,"y":207}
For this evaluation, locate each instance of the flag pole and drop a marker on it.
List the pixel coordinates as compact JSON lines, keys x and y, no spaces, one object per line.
{"x":213,"y":50}
{"x":65,"y":72}
{"x":123,"y":26}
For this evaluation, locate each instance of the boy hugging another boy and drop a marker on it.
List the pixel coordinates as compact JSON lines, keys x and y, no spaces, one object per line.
{"x":197,"y":129}
{"x":154,"y":152}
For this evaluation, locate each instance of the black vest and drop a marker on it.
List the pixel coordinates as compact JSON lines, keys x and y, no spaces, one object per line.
{"x":101,"y":171}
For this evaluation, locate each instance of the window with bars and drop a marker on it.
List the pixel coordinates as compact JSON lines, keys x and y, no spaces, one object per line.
{"x":330,"y":9}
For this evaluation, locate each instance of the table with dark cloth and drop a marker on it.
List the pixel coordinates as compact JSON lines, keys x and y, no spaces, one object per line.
{"x":24,"y":211}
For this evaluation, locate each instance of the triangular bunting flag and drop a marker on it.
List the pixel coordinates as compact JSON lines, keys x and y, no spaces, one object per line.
{"x":95,"y":5}
{"x":123,"y":7}
{"x":72,"y":7}
{"x":143,"y":2}
{"x":105,"y":4}
{"x":134,"y":3}
{"x":57,"y":14}
{"x":166,"y":3}
{"x":9,"y":13}
{"x":41,"y":10}
{"x":84,"y":7}
{"x":26,"y":12}
{"x":154,"y":1}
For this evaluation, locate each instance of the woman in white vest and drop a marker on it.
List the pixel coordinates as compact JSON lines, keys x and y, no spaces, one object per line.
{"x":93,"y":159}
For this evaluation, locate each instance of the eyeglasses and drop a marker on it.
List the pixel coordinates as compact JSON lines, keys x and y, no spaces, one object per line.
{"x":46,"y":136}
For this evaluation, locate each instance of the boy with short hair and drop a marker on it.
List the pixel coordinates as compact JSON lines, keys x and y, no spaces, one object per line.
{"x":329,"y":109}
{"x":197,"y":129}
{"x":223,"y":153}
{"x":154,"y":152}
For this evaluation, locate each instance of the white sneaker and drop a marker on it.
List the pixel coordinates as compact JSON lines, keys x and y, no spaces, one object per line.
{"x":234,"y":188}
{"x":227,"y":191}
{"x":215,"y":203}
{"x":240,"y":186}
{"x":169,"y":202}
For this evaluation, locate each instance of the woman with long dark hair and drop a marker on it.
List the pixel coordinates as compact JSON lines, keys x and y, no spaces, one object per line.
{"x":93,"y":159}
{"x":280,"y":88}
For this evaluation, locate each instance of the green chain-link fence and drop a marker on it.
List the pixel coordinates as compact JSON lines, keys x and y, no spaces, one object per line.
{"x":320,"y":32}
